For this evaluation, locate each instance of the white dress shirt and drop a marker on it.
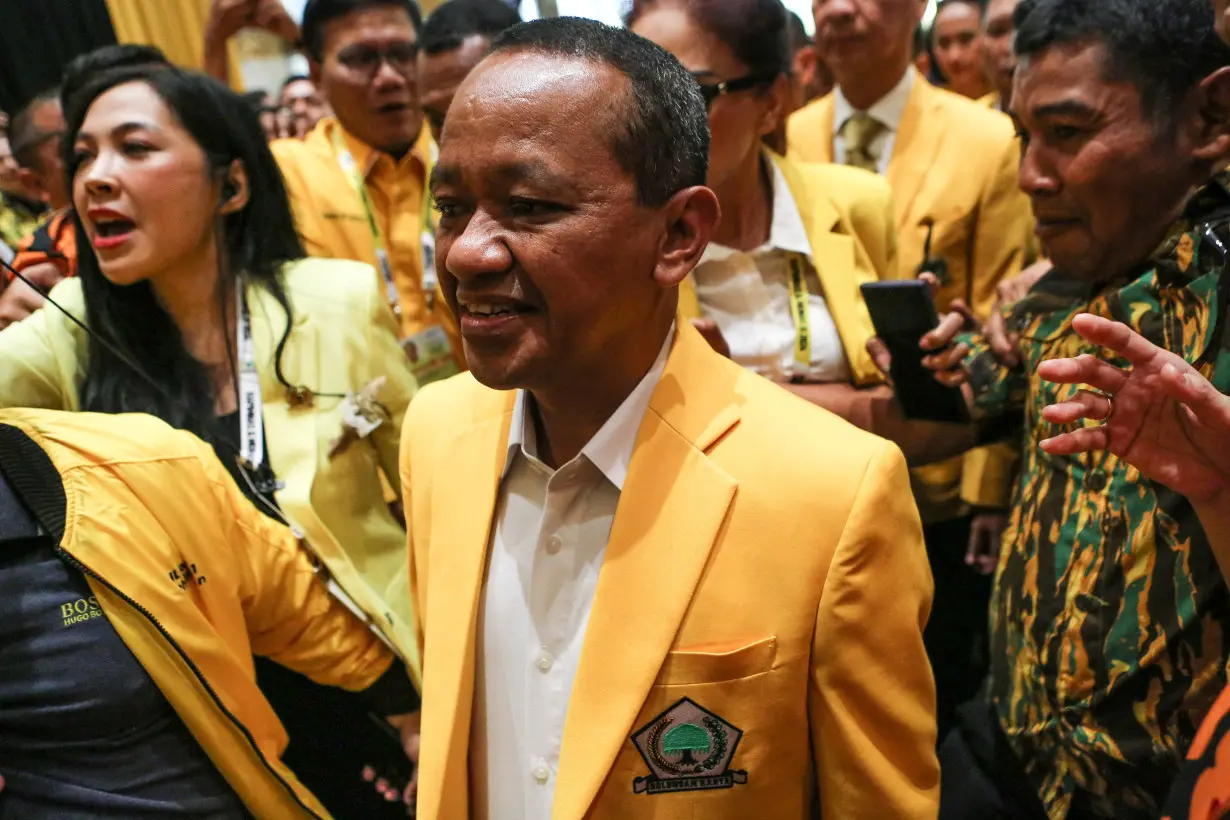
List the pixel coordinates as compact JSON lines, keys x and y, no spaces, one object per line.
{"x":888,"y":112}
{"x":748,"y":296}
{"x":548,"y":540}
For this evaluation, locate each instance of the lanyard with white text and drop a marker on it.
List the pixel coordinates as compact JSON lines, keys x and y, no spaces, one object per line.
{"x":799,"y":311}
{"x":351,"y":169}
{"x":251,"y":413}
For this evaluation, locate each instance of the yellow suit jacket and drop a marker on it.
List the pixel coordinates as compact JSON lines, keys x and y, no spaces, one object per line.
{"x":766,"y":561}
{"x":140,"y":498}
{"x":344,"y":337}
{"x":953,"y":172}
{"x":848,"y":216}
{"x":954,"y":166}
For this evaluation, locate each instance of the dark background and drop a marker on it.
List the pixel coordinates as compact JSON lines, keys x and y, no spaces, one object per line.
{"x":39,"y":37}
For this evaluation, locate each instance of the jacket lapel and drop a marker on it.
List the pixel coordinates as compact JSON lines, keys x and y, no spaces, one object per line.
{"x":463,"y":509}
{"x":915,"y":147}
{"x":833,"y":256}
{"x":670,"y":513}
{"x":825,"y":131}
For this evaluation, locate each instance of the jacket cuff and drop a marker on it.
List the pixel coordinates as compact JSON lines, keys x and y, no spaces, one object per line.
{"x":393,"y":692}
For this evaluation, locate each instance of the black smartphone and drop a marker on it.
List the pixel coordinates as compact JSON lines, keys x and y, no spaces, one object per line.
{"x":903,"y":312}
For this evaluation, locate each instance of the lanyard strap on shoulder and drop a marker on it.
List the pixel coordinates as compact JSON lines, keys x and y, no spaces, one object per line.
{"x":251,"y":412}
{"x":799,"y":311}
{"x":355,"y":177}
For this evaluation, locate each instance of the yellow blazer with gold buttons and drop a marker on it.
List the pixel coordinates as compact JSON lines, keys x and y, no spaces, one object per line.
{"x":343,"y":337}
{"x":848,"y":214}
{"x":765,"y":565}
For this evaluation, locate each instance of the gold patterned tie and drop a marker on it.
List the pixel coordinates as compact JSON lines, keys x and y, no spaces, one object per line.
{"x":860,"y":133}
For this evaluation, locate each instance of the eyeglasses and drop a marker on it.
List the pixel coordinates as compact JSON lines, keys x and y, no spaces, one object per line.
{"x":366,"y":61}
{"x":711,"y":91}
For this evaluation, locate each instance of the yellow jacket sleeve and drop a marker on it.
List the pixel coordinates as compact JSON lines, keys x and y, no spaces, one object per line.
{"x":290,"y":615}
{"x":39,"y":358}
{"x":872,"y":703}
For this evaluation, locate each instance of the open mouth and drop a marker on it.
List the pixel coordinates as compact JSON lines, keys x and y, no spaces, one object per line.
{"x":393,"y":108}
{"x":111,"y":230}
{"x":493,"y":310}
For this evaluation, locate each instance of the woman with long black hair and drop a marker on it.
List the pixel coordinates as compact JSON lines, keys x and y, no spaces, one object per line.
{"x":193,"y":303}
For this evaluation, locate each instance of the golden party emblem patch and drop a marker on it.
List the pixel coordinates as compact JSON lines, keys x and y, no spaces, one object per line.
{"x":687,"y":748}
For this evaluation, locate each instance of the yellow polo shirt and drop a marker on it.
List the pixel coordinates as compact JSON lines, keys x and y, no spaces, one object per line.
{"x":330,"y":215}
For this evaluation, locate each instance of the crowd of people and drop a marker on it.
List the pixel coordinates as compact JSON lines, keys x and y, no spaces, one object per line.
{"x":491,"y":423}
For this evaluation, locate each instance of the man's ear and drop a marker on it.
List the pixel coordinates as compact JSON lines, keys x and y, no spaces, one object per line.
{"x":314,"y":71}
{"x":1211,"y":129}
{"x":692,"y":215}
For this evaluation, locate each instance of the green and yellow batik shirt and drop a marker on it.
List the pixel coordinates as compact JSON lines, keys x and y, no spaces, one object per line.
{"x":1109,"y":617}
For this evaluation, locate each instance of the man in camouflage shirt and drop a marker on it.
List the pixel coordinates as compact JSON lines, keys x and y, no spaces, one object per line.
{"x":1110,"y":617}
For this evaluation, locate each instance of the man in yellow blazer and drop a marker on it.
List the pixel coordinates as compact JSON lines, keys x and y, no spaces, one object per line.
{"x":952,"y":165}
{"x":649,"y":583}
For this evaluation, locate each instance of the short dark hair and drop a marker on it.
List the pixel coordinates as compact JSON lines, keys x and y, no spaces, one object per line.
{"x":757,"y":31}
{"x":453,"y":23}
{"x":1163,"y":47}
{"x":86,"y":67}
{"x":24,"y":134}
{"x":981,"y":5}
{"x":799,"y":38}
{"x":661,"y":130}
{"x":319,"y":13}
{"x":295,"y":78}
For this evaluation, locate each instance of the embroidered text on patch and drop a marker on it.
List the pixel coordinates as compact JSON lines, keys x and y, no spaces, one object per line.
{"x":687,"y":748}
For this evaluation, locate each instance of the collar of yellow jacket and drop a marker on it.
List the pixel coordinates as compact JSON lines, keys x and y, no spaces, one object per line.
{"x":419,"y":160}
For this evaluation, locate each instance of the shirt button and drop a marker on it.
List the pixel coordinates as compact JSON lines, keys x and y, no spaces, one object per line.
{"x":1096,"y":481}
{"x":541,"y":773}
{"x":545,"y":661}
{"x":554,"y":545}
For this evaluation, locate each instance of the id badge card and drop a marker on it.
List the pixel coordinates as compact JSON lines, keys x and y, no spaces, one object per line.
{"x":430,"y":355}
{"x":430,"y":280}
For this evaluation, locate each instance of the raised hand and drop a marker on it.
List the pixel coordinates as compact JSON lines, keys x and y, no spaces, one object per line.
{"x":228,"y":17}
{"x":1160,"y":415}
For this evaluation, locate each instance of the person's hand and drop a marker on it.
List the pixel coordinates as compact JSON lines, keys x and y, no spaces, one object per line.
{"x":713,"y":335}
{"x":1005,"y":345}
{"x":986,"y":538}
{"x":273,"y":17}
{"x":947,"y":358}
{"x":410,"y":727}
{"x":1161,"y":416}
{"x":228,"y":17}
{"x":19,"y":300}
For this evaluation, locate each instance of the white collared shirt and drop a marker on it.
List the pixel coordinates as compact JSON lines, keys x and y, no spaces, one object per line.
{"x":888,"y":112}
{"x":548,"y":540}
{"x":748,"y":296}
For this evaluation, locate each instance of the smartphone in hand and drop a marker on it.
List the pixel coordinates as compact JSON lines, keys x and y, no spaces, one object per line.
{"x":903,"y":312}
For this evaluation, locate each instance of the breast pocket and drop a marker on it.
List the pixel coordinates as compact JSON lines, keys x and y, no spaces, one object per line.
{"x":718,"y":664}
{"x":722,"y":735}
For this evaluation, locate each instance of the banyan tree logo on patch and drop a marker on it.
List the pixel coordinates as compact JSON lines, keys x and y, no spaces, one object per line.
{"x":687,"y":748}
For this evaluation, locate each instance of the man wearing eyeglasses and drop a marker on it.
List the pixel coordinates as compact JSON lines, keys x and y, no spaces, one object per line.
{"x":358,"y":180}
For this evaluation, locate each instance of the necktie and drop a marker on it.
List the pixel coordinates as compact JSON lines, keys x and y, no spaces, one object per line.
{"x":859,"y":133}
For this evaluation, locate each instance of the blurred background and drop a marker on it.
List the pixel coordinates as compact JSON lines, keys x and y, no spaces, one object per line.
{"x":52,"y":32}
